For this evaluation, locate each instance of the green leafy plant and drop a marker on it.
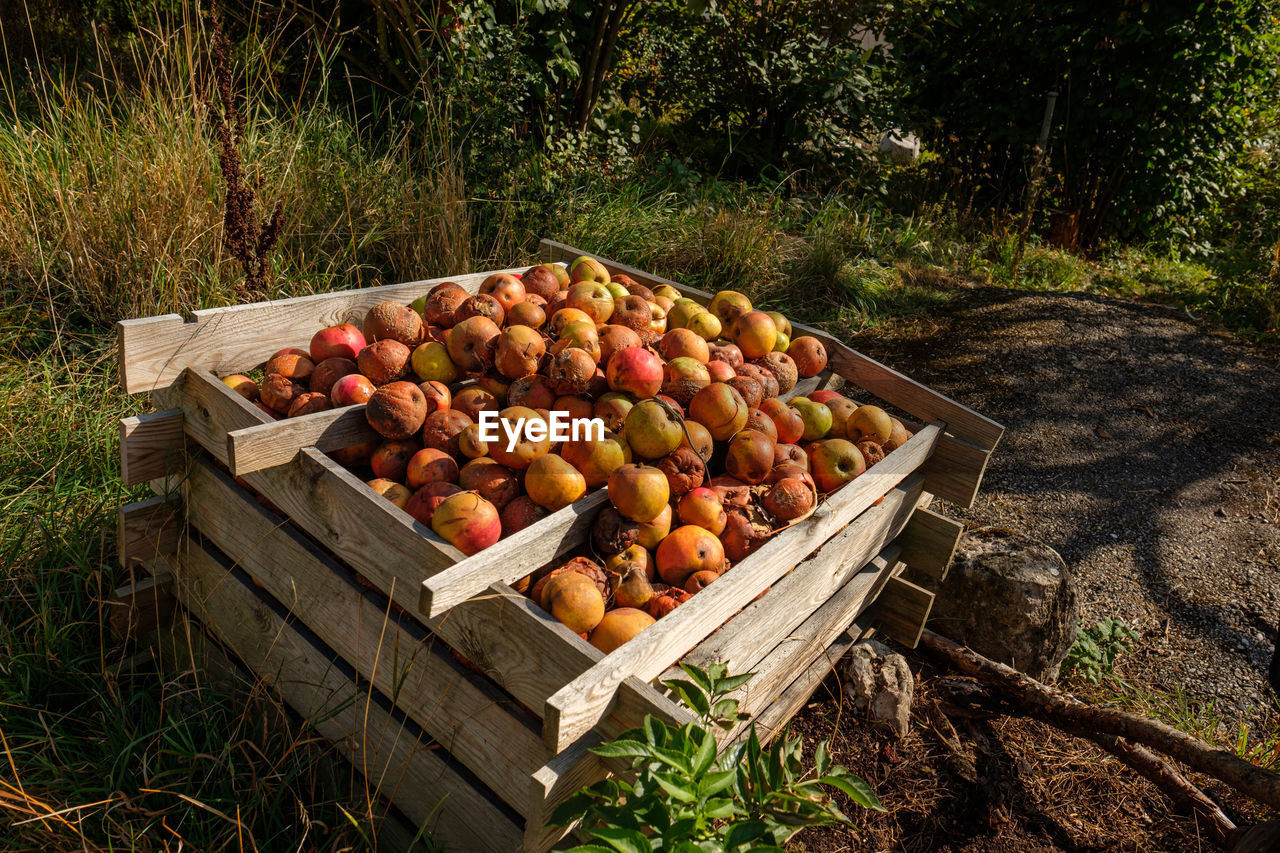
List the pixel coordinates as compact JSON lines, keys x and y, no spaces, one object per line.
{"x":1093,"y":654}
{"x":1156,"y":104}
{"x":679,"y":796}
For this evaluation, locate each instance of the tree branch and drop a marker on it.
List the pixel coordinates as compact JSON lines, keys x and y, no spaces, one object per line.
{"x":1075,"y":717}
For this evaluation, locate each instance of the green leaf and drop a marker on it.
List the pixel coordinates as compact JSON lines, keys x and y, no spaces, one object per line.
{"x":681,"y":791}
{"x":705,"y":756}
{"x":720,"y":809}
{"x":678,"y":831}
{"x":743,"y":832}
{"x":856,"y":789}
{"x":572,"y":809}
{"x":624,"y":749}
{"x":714,"y":783}
{"x":821,"y":760}
{"x":676,"y":760}
{"x":691,"y":695}
{"x":733,"y":682}
{"x":655,"y":731}
{"x":698,"y":676}
{"x":623,"y":840}
{"x":725,"y":708}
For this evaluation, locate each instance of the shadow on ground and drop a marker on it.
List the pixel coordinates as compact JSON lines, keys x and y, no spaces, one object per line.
{"x":1142,"y":446}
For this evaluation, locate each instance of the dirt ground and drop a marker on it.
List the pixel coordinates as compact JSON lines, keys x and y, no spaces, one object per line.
{"x":1145,"y":448}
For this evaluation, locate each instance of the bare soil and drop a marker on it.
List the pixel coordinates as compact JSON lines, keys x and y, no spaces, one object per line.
{"x":1145,"y":448}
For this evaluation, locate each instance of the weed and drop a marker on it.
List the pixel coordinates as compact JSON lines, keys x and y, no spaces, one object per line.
{"x":1093,"y":655}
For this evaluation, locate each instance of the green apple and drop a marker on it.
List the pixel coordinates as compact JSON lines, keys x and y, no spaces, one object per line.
{"x":817,"y":417}
{"x":704,"y":324}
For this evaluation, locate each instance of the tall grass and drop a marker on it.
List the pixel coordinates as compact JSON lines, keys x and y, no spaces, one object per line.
{"x":110,"y":194}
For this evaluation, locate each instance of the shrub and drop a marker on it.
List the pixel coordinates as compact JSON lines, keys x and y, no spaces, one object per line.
{"x":1152,"y":114}
{"x":682,"y":797}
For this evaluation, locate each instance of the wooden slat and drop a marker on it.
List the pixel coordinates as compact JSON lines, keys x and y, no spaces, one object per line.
{"x":486,"y":731}
{"x":381,"y":743}
{"x":929,"y":541}
{"x":316,"y":492}
{"x":776,"y":663}
{"x":773,"y":719}
{"x":153,"y":351}
{"x":514,"y":557}
{"x":748,"y":636}
{"x":580,"y":705}
{"x":901,"y":611}
{"x":147,"y":529}
{"x":139,"y":608}
{"x":276,"y":443}
{"x":954,"y":472}
{"x":885,"y":382}
{"x":809,"y":642}
{"x":151,"y":446}
{"x":503,"y":633}
{"x":210,"y":410}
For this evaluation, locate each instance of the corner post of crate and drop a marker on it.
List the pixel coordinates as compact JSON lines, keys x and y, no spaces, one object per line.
{"x":148,"y":529}
{"x":152,"y":445}
{"x":902,"y":610}
{"x":929,"y":542}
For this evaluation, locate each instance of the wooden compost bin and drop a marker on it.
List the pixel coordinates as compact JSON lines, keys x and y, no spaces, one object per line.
{"x":358,"y":615}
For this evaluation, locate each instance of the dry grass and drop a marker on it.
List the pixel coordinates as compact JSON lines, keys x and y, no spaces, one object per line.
{"x":111,"y":195}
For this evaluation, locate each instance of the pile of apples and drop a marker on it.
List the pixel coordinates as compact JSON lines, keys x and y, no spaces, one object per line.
{"x":702,"y":460}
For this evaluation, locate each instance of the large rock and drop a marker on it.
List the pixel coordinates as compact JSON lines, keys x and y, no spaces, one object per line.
{"x":899,"y":148}
{"x":1010,"y":598}
{"x":881,"y":685}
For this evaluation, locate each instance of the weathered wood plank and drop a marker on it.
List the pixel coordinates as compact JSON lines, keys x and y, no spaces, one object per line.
{"x":151,"y":446}
{"x":818,"y":640}
{"x":140,"y":607}
{"x":763,"y":624}
{"x":147,"y":529}
{"x":153,"y":351}
{"x":929,"y":541}
{"x":210,"y":410}
{"x":569,"y":770}
{"x":867,"y":373}
{"x":773,"y":719}
{"x":580,"y":705}
{"x":780,"y":667}
{"x":380,"y":742}
{"x":512,"y":558}
{"x":484,"y":729}
{"x":954,"y":472}
{"x":901,"y":611}
{"x":277,"y":443}
{"x":502,"y":633}
{"x":316,"y":492}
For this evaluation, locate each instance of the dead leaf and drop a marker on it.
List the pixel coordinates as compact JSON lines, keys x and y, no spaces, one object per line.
{"x":1144,"y":411}
{"x":1102,"y":432}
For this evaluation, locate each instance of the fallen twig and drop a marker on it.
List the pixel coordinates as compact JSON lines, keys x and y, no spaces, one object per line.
{"x":1064,"y":712}
{"x":1187,"y":797}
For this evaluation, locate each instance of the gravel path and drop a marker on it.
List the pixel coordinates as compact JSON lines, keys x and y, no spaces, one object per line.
{"x":1142,"y":446}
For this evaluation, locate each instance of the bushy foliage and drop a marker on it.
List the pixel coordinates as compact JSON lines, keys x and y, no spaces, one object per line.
{"x":682,"y":797}
{"x":757,"y":88}
{"x":1153,"y":110}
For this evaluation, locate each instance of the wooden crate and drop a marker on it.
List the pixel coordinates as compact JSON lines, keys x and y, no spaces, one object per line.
{"x":330,"y":592}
